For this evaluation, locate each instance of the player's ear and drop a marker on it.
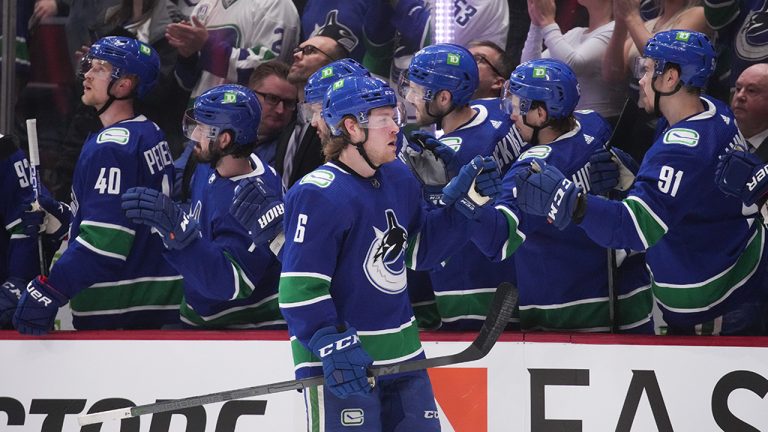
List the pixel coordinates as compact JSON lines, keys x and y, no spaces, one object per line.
{"x":224,"y":140}
{"x":125,"y":86}
{"x":444,"y":97}
{"x":353,"y":128}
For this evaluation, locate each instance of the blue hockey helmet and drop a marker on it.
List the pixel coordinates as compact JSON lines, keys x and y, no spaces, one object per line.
{"x":691,"y":51}
{"x":127,"y":57}
{"x":356,"y":96}
{"x":445,"y":67}
{"x":226,"y":107}
{"x":549,"y":81}
{"x":319,"y":81}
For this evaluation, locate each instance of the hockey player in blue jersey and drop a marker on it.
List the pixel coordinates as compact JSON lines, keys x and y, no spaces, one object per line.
{"x":441,"y":81}
{"x":227,"y":282}
{"x":706,"y":260}
{"x":540,"y":96}
{"x":112,"y":270}
{"x":351,"y":227}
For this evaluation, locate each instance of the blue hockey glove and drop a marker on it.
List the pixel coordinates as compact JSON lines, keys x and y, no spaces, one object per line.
{"x":477,"y":183}
{"x":544,"y":191}
{"x":744,"y":175}
{"x":259,"y":209}
{"x":150,"y":207}
{"x":433,"y":163}
{"x":345,"y":362}
{"x":611,"y":169}
{"x":37,"y":307}
{"x":57,"y":217}
{"x":32,"y":220}
{"x":10,"y":292}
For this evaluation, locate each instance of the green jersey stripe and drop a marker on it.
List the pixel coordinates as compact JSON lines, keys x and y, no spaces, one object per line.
{"x":650,"y":228}
{"x":263,"y":313}
{"x":412,"y":252}
{"x":301,"y":290}
{"x":150,"y":293}
{"x":704,"y":295}
{"x":106,"y":239}
{"x":472,"y":304}
{"x":516,"y":237}
{"x":14,"y":224}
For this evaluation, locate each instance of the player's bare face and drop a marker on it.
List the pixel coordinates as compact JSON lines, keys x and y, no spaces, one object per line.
{"x":96,"y":83}
{"x":645,"y":71}
{"x":414,"y":95}
{"x":383,"y":127}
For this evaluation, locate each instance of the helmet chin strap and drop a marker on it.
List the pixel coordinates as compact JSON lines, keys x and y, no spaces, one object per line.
{"x":438,"y":117}
{"x":361,"y":149}
{"x":536,"y":129}
{"x":658,"y":94}
{"x":111,"y":99}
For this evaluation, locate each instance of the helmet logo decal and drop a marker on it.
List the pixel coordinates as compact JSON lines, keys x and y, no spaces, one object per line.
{"x":145,"y":49}
{"x":539,"y":72}
{"x":385,"y":262}
{"x":229,"y":97}
{"x":338,"y":84}
{"x":327,"y":72}
{"x":452,"y":59}
{"x":683,"y":36}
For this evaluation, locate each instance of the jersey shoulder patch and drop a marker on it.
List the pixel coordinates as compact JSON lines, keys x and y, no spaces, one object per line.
{"x":319,"y":177}
{"x":116,"y":135}
{"x":681,"y":136}
{"x":537,"y":152}
{"x":454,"y":142}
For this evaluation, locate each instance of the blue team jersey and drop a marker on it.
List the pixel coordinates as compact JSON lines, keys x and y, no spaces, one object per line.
{"x":464,"y":285}
{"x":348,"y":242}
{"x":126,"y":283}
{"x":562,"y":275}
{"x":18,"y":252}
{"x":702,"y":252}
{"x":228,"y":282}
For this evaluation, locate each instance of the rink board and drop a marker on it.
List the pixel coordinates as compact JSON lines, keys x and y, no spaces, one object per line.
{"x":528,"y":383}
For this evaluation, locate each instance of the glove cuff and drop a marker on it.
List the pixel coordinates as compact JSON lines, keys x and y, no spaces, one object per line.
{"x":50,"y":291}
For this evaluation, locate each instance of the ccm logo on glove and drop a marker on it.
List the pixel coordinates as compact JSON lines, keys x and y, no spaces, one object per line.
{"x":339,"y":345}
{"x":557,"y":200}
{"x":271,"y":215}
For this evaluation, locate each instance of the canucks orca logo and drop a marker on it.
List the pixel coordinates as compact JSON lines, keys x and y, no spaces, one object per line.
{"x":385,"y":263}
{"x":752,"y":37}
{"x":337,"y":31}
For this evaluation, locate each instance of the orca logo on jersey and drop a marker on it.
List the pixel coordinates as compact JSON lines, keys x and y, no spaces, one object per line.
{"x":385,"y":261}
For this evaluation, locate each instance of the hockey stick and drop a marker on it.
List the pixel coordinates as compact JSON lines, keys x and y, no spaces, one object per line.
{"x":500,"y":311}
{"x":34,"y":176}
{"x":623,"y":124}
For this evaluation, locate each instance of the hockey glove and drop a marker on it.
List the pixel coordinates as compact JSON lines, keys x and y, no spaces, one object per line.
{"x":544,"y":191}
{"x":57,"y":217}
{"x":10,"y":292}
{"x":433,"y":163}
{"x":32,"y":220}
{"x":37,"y":307}
{"x":744,"y":175}
{"x":477,"y":183}
{"x":259,"y":209}
{"x":149,"y":207}
{"x":345,"y":362}
{"x":611,"y":169}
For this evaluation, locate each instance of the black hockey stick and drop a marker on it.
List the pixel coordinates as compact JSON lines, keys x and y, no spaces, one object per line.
{"x":500,"y":311}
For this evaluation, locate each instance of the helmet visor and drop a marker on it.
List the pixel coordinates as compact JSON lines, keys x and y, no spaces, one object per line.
{"x":385,"y":117}
{"x":99,"y":69}
{"x":510,"y":102}
{"x":643,"y":66}
{"x":198,"y":131}
{"x":309,"y":110}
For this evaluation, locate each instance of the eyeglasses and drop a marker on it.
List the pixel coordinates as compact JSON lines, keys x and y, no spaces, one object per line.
{"x":481,"y":59}
{"x":311,"y":49}
{"x":274,"y":100}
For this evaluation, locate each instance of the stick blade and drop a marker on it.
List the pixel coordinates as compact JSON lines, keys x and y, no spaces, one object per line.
{"x":105,"y":416}
{"x":499,"y":313}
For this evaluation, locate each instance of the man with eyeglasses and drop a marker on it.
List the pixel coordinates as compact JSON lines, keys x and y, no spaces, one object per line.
{"x":298,"y":149}
{"x":493,"y":66}
{"x":278,"y":98}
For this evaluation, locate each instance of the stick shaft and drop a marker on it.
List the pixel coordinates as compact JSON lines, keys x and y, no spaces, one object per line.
{"x":498,"y":316}
{"x":34,"y":178}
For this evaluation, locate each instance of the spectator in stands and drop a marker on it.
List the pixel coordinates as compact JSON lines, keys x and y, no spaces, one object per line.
{"x":750,"y":107}
{"x":224,"y":44}
{"x":581,"y":48}
{"x":740,"y":27}
{"x":298,"y":149}
{"x":493,"y":65}
{"x":279,"y":99}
